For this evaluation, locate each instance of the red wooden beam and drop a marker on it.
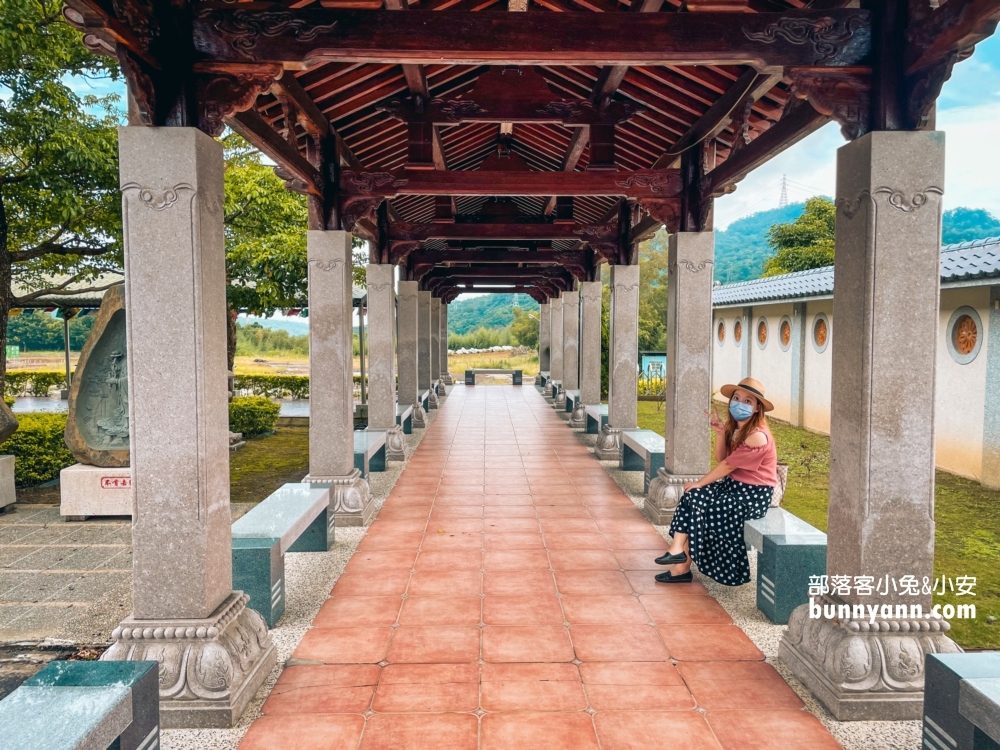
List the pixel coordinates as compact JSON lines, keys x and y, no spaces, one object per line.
{"x":421,"y":232}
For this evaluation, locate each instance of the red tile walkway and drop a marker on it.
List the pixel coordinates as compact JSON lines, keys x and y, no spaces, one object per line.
{"x":504,"y":598}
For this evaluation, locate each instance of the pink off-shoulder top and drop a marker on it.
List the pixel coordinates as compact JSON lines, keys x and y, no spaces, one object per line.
{"x":755,"y":465}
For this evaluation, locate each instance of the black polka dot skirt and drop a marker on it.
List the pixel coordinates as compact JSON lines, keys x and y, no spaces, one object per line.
{"x":713,"y":518}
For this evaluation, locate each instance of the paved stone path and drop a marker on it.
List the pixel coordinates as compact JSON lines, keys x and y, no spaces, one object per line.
{"x":504,"y":598}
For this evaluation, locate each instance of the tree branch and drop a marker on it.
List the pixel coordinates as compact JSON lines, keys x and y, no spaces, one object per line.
{"x":60,"y":291}
{"x":52,"y":248}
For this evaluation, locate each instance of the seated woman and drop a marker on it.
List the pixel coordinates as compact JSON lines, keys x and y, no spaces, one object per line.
{"x":708,"y":523}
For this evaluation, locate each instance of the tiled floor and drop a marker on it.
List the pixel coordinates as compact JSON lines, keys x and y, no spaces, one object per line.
{"x":504,"y":598}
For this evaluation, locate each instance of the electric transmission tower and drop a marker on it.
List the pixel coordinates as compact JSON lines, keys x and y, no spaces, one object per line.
{"x":783,"y":199}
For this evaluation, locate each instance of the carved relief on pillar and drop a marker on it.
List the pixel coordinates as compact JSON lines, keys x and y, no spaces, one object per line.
{"x":224,"y":92}
{"x":842,"y":95}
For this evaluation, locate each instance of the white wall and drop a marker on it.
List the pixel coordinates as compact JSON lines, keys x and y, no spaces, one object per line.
{"x":817,"y":381}
{"x":727,"y":356}
{"x":770,"y":365}
{"x":961,"y":389}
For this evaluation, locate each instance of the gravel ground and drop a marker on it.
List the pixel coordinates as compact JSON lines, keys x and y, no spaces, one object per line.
{"x":740,"y":603}
{"x":309,"y":577}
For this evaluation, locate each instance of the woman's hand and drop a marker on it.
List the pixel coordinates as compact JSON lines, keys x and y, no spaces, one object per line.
{"x":715,"y":423}
{"x":691,"y":486}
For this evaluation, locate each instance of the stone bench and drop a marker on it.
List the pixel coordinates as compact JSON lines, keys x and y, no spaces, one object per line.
{"x":84,"y":705}
{"x":369,"y":451}
{"x":789,"y":551}
{"x":642,"y":450}
{"x":571,"y":398}
{"x":542,"y":379}
{"x":597,"y":417}
{"x":295,"y":518}
{"x":404,"y":417}
{"x":962,"y":701}
{"x":470,"y":375}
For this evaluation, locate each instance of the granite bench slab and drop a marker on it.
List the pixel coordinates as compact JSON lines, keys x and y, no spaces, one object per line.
{"x":789,"y":553}
{"x":73,"y":705}
{"x":369,"y":451}
{"x":404,"y":417}
{"x":470,"y":375}
{"x":597,"y":417}
{"x":294,"y":518}
{"x":642,"y":450}
{"x":979,"y":702}
{"x":961,"y":694}
{"x":571,"y":398}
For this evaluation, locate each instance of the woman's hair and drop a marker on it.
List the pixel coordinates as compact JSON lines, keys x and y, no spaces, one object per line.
{"x":735,"y":436}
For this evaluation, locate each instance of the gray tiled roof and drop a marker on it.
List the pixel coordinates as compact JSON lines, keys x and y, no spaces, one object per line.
{"x":978,"y":259}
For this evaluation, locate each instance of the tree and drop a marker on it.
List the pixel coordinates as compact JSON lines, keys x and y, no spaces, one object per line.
{"x":524,"y":329}
{"x":807,"y":242}
{"x":964,"y":224}
{"x":60,"y":211}
{"x":653,"y":293}
{"x":265,"y":229}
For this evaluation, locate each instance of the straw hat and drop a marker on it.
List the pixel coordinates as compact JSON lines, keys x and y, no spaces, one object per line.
{"x":751,"y":386}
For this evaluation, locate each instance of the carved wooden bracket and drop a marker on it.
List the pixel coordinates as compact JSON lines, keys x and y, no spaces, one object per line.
{"x":667,"y":212}
{"x":224,"y":92}
{"x":399,"y":250}
{"x":359,"y":216}
{"x":843,"y":95}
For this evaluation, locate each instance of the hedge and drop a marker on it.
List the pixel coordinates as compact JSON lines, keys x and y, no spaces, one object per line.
{"x":38,"y":382}
{"x":276,"y":386}
{"x":38,"y":448}
{"x":253,"y":415}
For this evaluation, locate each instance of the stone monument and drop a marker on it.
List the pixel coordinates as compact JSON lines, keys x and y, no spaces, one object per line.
{"x":97,"y":428}
{"x":8,"y":426}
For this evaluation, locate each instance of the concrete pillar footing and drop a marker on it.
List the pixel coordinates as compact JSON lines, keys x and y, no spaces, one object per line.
{"x":578,"y":419}
{"x":609,"y":444}
{"x":663,"y":495}
{"x":350,"y":498}
{"x":395,"y":444}
{"x":419,"y":416}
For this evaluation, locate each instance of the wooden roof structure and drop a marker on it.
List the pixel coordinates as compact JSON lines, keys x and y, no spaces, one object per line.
{"x":514,"y":145}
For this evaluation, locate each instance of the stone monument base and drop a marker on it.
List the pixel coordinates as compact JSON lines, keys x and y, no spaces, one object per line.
{"x":210,"y":669}
{"x":395,"y":444}
{"x":863,"y":671}
{"x":350,"y":498}
{"x":663,"y":495}
{"x":609,"y":444}
{"x":86,"y":491}
{"x":8,"y":496}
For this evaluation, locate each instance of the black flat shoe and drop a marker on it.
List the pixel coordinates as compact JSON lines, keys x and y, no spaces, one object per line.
{"x":668,"y":559}
{"x":669,"y":577}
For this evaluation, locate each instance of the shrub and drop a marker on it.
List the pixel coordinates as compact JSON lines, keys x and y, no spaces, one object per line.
{"x":9,"y":400}
{"x":253,"y":415}
{"x":37,"y":382}
{"x":38,"y":448}
{"x":273,"y":386}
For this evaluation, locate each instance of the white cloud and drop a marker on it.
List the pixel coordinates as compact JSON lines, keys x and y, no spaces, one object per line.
{"x":972,"y":156}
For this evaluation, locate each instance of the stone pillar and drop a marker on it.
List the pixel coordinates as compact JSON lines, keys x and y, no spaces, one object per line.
{"x":331,"y":374}
{"x":746,"y":342}
{"x":406,"y":326}
{"x":382,"y":358}
{"x":688,"y":445}
{"x":623,"y":362}
{"x":435,"y":342}
{"x":991,"y":409}
{"x":214,"y":652}
{"x":556,"y":344}
{"x":424,"y":347}
{"x":445,"y":375}
{"x":590,"y":351}
{"x":881,"y":513}
{"x":798,"y":347}
{"x":571,"y":344}
{"x":544,"y":321}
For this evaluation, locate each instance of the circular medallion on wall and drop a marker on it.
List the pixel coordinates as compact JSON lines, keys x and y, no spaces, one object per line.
{"x":785,"y":333}
{"x":821,"y":332}
{"x":722,"y":332}
{"x":738,"y":331}
{"x":964,"y":335}
{"x":762,"y":333}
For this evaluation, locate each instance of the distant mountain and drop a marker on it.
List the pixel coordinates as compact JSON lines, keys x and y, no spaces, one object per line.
{"x":293,"y":327}
{"x":486,"y":311}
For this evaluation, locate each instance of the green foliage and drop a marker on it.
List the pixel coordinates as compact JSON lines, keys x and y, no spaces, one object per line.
{"x":486,"y":311}
{"x":964,"y":224}
{"x":60,"y":209}
{"x":481,"y":338}
{"x":524,"y":329}
{"x":38,"y":448}
{"x":274,"y":386}
{"x":253,"y":415}
{"x":653,"y":293}
{"x":742,"y":248}
{"x":41,"y":332}
{"x":36,"y":382}
{"x":256,"y":340}
{"x":805,"y":243}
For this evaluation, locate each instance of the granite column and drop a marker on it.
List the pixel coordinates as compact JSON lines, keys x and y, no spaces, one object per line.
{"x":445,"y":375}
{"x":407,"y":333}
{"x":571,"y":344}
{"x":544,"y":342}
{"x":435,"y":343}
{"x":590,"y":351}
{"x":556,"y":347}
{"x":185,"y":613}
{"x":623,"y":362}
{"x":382,"y":358}
{"x":687,"y":444}
{"x":881,"y":512}
{"x":424,"y":348}
{"x":331,"y":378}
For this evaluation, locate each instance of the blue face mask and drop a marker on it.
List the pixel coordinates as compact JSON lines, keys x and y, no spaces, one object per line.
{"x":740,"y":411}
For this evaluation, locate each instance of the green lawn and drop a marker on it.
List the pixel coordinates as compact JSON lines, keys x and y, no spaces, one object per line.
{"x":967,"y":538}
{"x":265,"y":463}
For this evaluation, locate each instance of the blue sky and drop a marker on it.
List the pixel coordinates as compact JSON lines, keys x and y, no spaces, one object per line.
{"x":968,"y":112}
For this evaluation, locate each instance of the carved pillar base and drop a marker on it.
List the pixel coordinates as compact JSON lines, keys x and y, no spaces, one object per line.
{"x":549,"y":390}
{"x":210,"y":669}
{"x":863,"y":671}
{"x":441,"y":391}
{"x":578,"y":419}
{"x":350,"y":498}
{"x":609,"y":444}
{"x":664,"y":493}
{"x":432,"y":399}
{"x":447,"y":379}
{"x":559,"y":402}
{"x":395,"y":444}
{"x":538,"y":379}
{"x":419,"y":415}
